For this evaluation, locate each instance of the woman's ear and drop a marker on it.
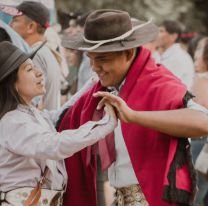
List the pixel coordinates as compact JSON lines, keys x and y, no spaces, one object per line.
{"x":16,"y":87}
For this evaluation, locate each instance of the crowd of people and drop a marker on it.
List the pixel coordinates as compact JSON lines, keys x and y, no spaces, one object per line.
{"x":111,"y":111}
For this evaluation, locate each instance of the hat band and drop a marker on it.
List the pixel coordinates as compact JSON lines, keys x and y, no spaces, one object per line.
{"x":120,"y":38}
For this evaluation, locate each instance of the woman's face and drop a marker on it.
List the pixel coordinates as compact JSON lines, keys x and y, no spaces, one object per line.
{"x":30,"y":81}
{"x":199,"y":64}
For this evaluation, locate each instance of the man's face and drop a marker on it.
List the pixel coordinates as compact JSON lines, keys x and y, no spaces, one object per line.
{"x":165,"y":39}
{"x":111,"y":67}
{"x":20,"y":25}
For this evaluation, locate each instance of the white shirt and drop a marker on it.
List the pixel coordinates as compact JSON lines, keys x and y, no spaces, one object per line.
{"x":179,"y":62}
{"x":122,"y":167}
{"x":121,"y":173}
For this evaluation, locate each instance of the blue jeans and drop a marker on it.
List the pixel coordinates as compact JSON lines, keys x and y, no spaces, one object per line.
{"x":202,"y":183}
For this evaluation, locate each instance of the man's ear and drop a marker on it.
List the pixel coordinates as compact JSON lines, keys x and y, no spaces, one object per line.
{"x":32,"y":27}
{"x":174,"y":37}
{"x":130,"y":53}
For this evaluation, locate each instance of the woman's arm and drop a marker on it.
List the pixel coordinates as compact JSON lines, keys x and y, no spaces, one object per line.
{"x":179,"y":123}
{"x":31,"y":139}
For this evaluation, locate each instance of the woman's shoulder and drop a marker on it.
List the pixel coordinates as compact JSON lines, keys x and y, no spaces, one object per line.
{"x":9,"y":122}
{"x":14,"y":116}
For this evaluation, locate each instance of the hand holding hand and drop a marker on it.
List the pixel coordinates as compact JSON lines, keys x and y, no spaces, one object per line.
{"x":124,"y":113}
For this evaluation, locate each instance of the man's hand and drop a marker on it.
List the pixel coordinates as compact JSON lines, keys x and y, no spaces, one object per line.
{"x":123,"y":112}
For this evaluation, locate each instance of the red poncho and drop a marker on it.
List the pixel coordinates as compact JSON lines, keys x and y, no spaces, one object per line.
{"x":161,"y":172}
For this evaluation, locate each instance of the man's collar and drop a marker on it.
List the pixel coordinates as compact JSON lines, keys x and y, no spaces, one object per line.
{"x":114,"y":90}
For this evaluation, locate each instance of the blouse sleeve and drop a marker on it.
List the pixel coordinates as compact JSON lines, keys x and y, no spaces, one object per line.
{"x":32,"y":140}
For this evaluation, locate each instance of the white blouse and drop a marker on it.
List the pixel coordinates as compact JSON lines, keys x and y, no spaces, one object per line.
{"x":29,"y":142}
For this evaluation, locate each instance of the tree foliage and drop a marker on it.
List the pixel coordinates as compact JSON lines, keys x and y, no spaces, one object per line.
{"x":192,"y":13}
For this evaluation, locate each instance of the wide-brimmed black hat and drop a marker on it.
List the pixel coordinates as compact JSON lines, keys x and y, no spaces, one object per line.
{"x":12,"y":57}
{"x":108,"y":30}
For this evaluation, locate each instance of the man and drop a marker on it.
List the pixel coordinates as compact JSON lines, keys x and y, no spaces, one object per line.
{"x":145,"y":166}
{"x":173,"y":57}
{"x":15,"y":38}
{"x":31,"y":20}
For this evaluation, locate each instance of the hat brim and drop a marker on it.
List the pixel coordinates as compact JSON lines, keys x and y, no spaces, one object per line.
{"x":14,"y":62}
{"x":10,"y":10}
{"x":139,"y":37}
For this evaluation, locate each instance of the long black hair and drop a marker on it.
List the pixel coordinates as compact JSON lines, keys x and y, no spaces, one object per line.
{"x":9,"y":97}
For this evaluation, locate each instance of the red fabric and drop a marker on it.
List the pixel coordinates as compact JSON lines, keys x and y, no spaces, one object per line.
{"x":106,"y":146}
{"x":107,"y":151}
{"x":147,"y":87}
{"x":81,"y":167}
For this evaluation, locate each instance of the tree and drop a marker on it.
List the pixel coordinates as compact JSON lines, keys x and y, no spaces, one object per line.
{"x":192,"y":13}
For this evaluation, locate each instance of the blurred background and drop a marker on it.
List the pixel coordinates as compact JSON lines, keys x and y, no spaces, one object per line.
{"x":192,"y":13}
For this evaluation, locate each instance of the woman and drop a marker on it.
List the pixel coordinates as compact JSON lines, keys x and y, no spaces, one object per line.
{"x":32,"y":169}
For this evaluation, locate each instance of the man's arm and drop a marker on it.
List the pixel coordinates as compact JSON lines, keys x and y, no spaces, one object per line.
{"x":180,"y":123}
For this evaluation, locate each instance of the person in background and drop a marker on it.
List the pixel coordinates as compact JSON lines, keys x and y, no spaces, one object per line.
{"x":16,"y":39}
{"x":82,"y":64}
{"x":185,"y":39}
{"x":54,"y":43}
{"x":30,"y":21}
{"x":200,"y":92}
{"x":32,"y":152}
{"x":193,"y":44}
{"x":74,"y":59}
{"x":85,"y":70}
{"x":173,"y":57}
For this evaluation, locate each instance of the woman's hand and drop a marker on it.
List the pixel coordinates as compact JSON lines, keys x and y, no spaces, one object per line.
{"x":123,"y":112}
{"x":111,"y":112}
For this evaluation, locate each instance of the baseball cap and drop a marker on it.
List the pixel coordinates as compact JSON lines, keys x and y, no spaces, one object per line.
{"x":34,"y":10}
